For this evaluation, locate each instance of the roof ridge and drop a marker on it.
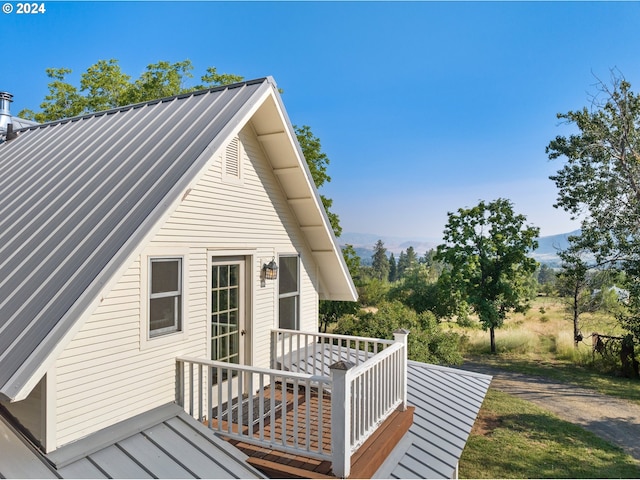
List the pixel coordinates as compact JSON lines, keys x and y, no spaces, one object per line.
{"x":154,"y":101}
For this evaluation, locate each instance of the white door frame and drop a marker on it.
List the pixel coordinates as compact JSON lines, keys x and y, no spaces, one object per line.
{"x":245,"y":295}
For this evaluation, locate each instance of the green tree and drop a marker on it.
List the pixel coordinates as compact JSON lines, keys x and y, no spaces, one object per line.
{"x":330,"y":310}
{"x":430,"y":261}
{"x":380,"y":263}
{"x":62,"y":101}
{"x":407,"y":261}
{"x":546,"y":274}
{"x":417,"y":290}
{"x":373,"y":291}
{"x":600,"y":181}
{"x":213,"y":79}
{"x":318,"y":161}
{"x":546,"y":279}
{"x":162,"y":79}
{"x":105,"y":86}
{"x":486,"y":249}
{"x":393,"y":268}
{"x":353,"y":261}
{"x":402,"y":264}
{"x":412,"y":258}
{"x":608,"y":291}
{"x":573,"y":285}
{"x":451,"y":302}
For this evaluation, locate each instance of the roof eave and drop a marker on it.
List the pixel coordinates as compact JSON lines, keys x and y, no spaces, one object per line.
{"x":336,"y":283}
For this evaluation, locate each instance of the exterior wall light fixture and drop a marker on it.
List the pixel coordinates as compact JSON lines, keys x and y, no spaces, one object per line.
{"x":270,"y":270}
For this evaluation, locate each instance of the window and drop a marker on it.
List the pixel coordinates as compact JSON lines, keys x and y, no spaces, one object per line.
{"x":289,"y":292}
{"x":165,"y":296}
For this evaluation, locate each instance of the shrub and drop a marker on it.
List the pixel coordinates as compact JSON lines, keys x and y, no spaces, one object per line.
{"x":427,"y":341}
{"x":373,"y":292}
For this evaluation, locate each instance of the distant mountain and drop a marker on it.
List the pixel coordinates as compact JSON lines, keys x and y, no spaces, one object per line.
{"x":548,"y":247}
{"x":363,"y":243}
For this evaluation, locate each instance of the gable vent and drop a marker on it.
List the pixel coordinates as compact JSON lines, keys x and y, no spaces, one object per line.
{"x":232,"y":159}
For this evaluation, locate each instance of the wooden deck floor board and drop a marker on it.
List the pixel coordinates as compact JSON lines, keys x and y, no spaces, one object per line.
{"x":282,"y":464}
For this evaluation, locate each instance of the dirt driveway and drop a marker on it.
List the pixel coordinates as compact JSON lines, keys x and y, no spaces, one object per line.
{"x":612,"y":419}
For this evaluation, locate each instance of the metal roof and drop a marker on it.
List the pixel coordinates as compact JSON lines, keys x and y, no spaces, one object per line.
{"x":161,"y":443}
{"x":447,"y":401}
{"x":78,"y":196}
{"x":19,"y":459}
{"x":19,"y":123}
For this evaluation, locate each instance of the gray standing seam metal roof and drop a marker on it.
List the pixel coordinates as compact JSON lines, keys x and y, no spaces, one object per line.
{"x":162,"y":443}
{"x":447,"y":402}
{"x":72,"y":210}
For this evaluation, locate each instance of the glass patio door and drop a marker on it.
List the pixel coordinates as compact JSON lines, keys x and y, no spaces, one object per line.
{"x":227,"y":312}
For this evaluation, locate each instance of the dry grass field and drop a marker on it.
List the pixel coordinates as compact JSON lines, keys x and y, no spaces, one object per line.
{"x":544,"y":332}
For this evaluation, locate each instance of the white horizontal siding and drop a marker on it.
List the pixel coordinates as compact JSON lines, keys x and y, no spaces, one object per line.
{"x":105,"y":375}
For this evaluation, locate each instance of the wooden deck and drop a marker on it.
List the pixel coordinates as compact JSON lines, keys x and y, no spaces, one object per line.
{"x":279,"y":464}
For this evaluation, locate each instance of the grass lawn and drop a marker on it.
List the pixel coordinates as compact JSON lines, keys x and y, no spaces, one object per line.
{"x":513,"y":438}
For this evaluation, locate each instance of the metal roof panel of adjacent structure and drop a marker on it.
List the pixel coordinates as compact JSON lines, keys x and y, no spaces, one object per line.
{"x":446,"y":402}
{"x":161,"y":443}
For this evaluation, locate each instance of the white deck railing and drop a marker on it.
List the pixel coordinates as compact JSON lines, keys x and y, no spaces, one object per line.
{"x":366,"y":380}
{"x":377,"y":389}
{"x":254,"y":398}
{"x":314,"y":353}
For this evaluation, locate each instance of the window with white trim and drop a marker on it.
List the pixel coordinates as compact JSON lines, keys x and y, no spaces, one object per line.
{"x":165,"y":295}
{"x":289,"y":292}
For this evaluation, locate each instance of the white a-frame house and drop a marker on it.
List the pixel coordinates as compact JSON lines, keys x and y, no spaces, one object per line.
{"x":160,"y":271}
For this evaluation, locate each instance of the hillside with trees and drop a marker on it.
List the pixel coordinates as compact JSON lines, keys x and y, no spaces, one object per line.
{"x":485,"y":271}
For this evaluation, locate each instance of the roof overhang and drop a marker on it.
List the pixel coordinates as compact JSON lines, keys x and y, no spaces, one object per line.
{"x":278,"y":139}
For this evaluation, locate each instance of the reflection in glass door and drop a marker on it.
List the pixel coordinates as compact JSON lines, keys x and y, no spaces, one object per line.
{"x":227,"y":313}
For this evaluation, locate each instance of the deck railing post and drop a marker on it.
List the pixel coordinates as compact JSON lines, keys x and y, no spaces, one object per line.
{"x":180,"y":383}
{"x":402,"y":336}
{"x":274,"y":349}
{"x":341,"y":418}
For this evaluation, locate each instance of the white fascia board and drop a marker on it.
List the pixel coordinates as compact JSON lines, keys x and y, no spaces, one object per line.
{"x":302,"y":164}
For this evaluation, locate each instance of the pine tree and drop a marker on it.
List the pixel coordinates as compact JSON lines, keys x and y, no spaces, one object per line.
{"x":393,"y":269}
{"x":380,"y":263}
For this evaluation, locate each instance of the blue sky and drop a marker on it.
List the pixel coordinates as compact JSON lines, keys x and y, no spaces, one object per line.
{"x":422,"y":107}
